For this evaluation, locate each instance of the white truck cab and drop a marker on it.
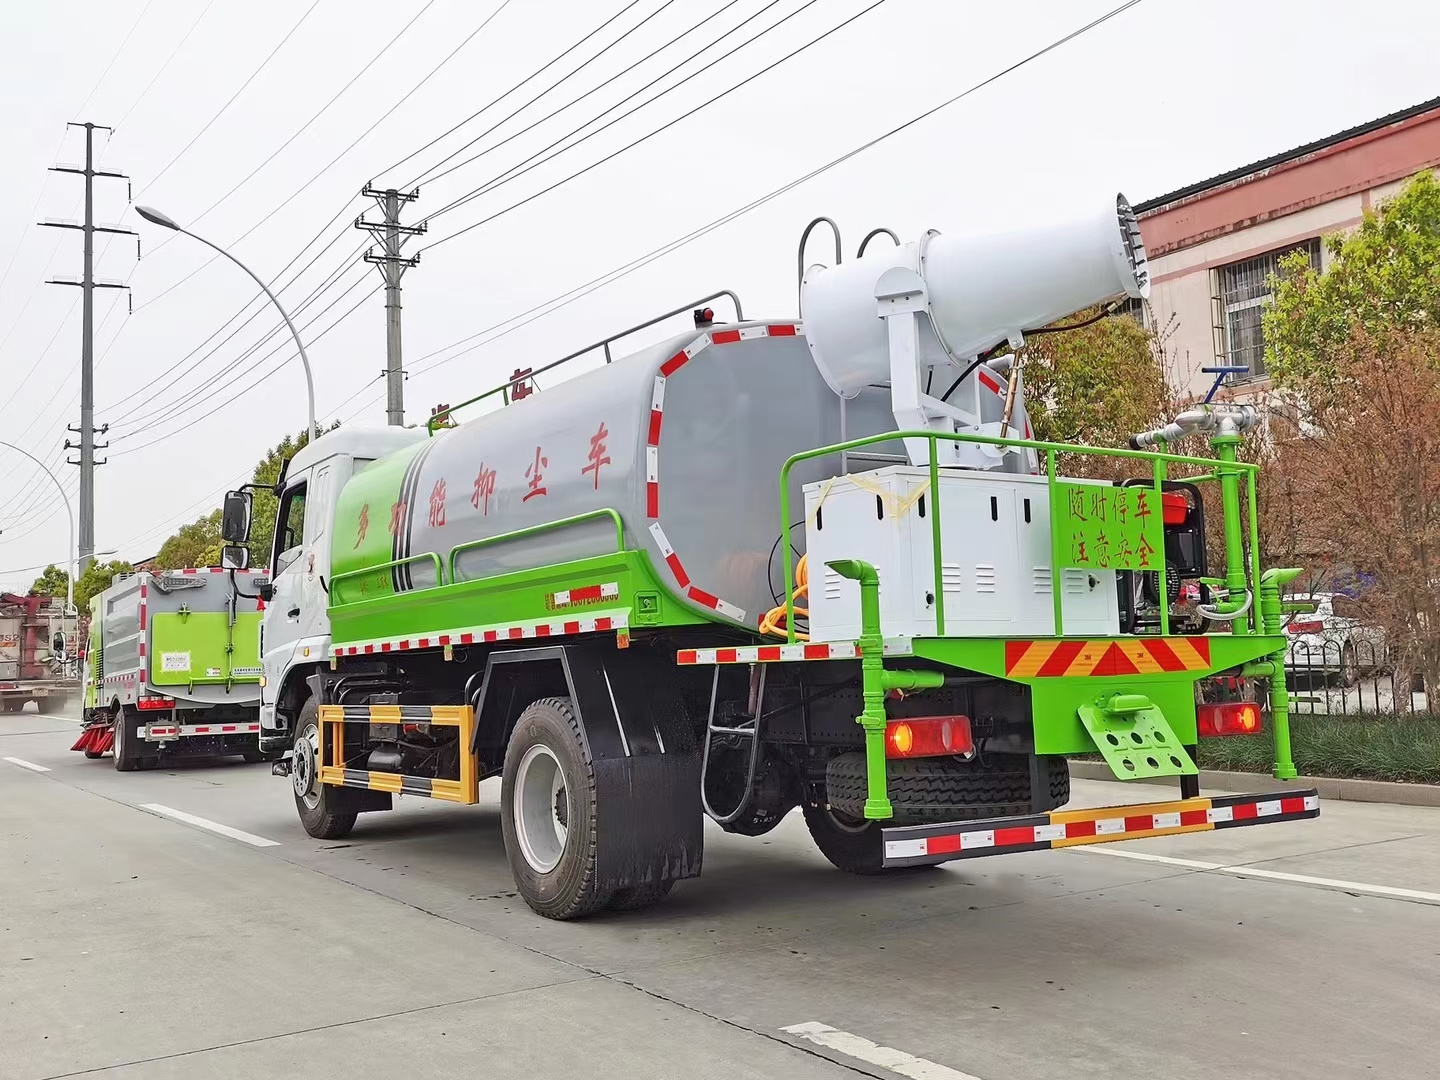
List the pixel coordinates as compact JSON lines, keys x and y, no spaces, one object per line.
{"x":295,"y":632}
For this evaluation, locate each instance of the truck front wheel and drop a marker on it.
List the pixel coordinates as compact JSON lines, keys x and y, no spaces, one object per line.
{"x":312,"y":798}
{"x":548,"y":813}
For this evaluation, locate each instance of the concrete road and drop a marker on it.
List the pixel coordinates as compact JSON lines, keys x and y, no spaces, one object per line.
{"x":138,"y":942}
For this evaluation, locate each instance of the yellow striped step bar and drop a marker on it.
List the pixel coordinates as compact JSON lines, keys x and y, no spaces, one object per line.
{"x":917,"y":845}
{"x":334,"y":770}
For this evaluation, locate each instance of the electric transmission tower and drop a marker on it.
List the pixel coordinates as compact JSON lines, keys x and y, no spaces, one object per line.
{"x":391,"y":236}
{"x":87,"y":430}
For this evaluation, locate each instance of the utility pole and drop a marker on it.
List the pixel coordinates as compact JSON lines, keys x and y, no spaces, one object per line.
{"x":87,"y":430}
{"x":391,"y":236}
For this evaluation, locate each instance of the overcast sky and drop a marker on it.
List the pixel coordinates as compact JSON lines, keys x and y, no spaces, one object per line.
{"x":1162,"y":95}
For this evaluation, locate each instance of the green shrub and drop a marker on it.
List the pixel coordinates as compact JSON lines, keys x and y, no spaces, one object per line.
{"x":1385,"y":747}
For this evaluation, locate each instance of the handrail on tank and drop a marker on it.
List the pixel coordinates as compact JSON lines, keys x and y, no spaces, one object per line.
{"x":531,"y":530}
{"x":1158,"y":460}
{"x":605,"y":343}
{"x":392,"y":564}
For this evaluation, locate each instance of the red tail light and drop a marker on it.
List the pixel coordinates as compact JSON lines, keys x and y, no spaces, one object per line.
{"x":1228,"y":718}
{"x":155,"y":703}
{"x":928,"y":736}
{"x":1313,"y":627}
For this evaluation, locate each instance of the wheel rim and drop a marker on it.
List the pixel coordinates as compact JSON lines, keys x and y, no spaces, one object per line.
{"x":304,"y":775}
{"x":117,"y":743}
{"x":845,"y":823}
{"x":541,"y":806}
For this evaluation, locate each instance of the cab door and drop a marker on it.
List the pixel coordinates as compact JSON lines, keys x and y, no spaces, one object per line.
{"x":282,"y":627}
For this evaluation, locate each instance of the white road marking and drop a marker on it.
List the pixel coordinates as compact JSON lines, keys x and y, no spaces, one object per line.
{"x":884,"y":1056}
{"x":27,"y":764}
{"x":1271,"y":875}
{"x":213,"y":826}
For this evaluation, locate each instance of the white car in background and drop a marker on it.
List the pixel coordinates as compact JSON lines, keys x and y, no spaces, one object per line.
{"x":1333,"y":640}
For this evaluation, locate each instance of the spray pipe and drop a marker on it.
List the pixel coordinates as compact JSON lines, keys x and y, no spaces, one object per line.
{"x":1229,"y":423}
{"x":1272,"y":614}
{"x":876,"y":681}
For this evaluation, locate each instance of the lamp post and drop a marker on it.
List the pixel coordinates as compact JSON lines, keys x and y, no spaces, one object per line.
{"x":71,"y":556}
{"x":156,"y":217}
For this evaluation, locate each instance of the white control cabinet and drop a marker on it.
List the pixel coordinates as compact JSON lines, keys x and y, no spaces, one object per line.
{"x":995,"y":557}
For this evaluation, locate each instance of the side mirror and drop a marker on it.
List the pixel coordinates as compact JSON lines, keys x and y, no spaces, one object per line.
{"x":234,"y":556}
{"x":235,"y":517}
{"x":57,"y":643}
{"x":267,"y":592}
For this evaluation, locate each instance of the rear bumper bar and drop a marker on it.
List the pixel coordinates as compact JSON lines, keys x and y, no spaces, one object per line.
{"x":165,"y":732}
{"x":919,"y":845}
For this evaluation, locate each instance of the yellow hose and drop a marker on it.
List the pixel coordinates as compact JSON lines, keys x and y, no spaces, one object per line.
{"x":775,"y":617}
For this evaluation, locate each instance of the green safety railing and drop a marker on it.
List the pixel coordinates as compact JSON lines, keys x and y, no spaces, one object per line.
{"x":1224,"y":468}
{"x":604,"y":513}
{"x":380,"y":568}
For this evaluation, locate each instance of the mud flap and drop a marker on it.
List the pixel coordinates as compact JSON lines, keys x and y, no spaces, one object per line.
{"x":1136,"y":741}
{"x":650,"y":826}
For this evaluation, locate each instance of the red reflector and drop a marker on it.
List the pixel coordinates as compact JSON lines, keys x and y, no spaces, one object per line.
{"x":155,"y":703}
{"x":1305,"y":627}
{"x":1228,"y":718}
{"x":928,"y":736}
{"x":1175,"y":507}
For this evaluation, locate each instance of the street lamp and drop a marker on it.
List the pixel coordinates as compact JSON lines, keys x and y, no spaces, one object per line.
{"x":156,"y":217}
{"x":72,"y":557}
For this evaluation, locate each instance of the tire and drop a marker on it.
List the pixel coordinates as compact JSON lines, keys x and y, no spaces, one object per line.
{"x":126,"y":751}
{"x":638,"y":897}
{"x":547,"y":778}
{"x":312,"y":799}
{"x":924,"y":790}
{"x":14,"y":706}
{"x":851,"y":844}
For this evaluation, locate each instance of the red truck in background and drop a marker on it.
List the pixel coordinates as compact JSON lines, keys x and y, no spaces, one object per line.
{"x":36,"y":661}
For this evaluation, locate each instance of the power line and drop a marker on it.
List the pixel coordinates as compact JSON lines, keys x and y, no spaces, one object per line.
{"x":120,"y":49}
{"x":517,"y":170}
{"x":681,"y":241}
{"x":426,"y":177}
{"x":209,"y":123}
{"x":494,"y":101}
{"x":644,"y":138}
{"x":305,"y":126}
{"x":174,"y":53}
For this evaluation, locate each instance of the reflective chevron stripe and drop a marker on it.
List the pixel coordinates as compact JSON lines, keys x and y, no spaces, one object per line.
{"x":1056,"y":657}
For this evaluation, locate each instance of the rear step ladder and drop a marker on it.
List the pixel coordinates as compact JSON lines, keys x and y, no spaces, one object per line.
{"x":749,"y":729}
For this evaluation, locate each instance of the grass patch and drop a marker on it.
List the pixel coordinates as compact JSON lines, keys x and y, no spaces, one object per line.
{"x":1386,"y":747}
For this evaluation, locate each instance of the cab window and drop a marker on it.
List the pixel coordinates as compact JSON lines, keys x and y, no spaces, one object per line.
{"x":289,"y":528}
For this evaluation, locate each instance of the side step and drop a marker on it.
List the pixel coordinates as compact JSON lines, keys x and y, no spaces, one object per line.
{"x":918,"y":845}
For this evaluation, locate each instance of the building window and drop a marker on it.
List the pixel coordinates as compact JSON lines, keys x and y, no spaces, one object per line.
{"x":1244,"y":292}
{"x":1134,"y":308}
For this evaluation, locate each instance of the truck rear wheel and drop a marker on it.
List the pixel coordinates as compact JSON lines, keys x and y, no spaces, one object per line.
{"x":850,"y":843}
{"x":126,"y":745}
{"x":548,"y":813}
{"x":312,"y":798}
{"x":924,"y":790}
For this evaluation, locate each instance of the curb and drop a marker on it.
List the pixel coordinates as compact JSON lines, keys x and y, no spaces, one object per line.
{"x":1328,"y":787}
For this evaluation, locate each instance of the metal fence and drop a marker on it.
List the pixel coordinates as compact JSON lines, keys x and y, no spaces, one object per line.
{"x":1347,"y":678}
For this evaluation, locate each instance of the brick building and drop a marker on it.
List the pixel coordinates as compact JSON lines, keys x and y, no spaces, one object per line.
{"x":1213,"y":245}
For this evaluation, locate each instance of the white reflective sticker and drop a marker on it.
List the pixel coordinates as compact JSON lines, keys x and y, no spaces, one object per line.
{"x":1108,"y":826}
{"x":1267,"y":808}
{"x":978,"y":839}
{"x":904,"y":849}
{"x":1049,"y":832}
{"x":1167,"y":821}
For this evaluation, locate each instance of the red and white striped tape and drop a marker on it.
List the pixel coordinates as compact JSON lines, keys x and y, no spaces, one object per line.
{"x":1106,"y":823}
{"x":693,"y":592}
{"x":599,"y":622}
{"x":766,"y":654}
{"x":178,"y":731}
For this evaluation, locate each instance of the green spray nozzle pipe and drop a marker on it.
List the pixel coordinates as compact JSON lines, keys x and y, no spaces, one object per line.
{"x":875,"y":681}
{"x":1271,"y":614}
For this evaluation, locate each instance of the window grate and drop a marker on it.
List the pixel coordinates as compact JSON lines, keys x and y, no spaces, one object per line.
{"x":1244,"y":293}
